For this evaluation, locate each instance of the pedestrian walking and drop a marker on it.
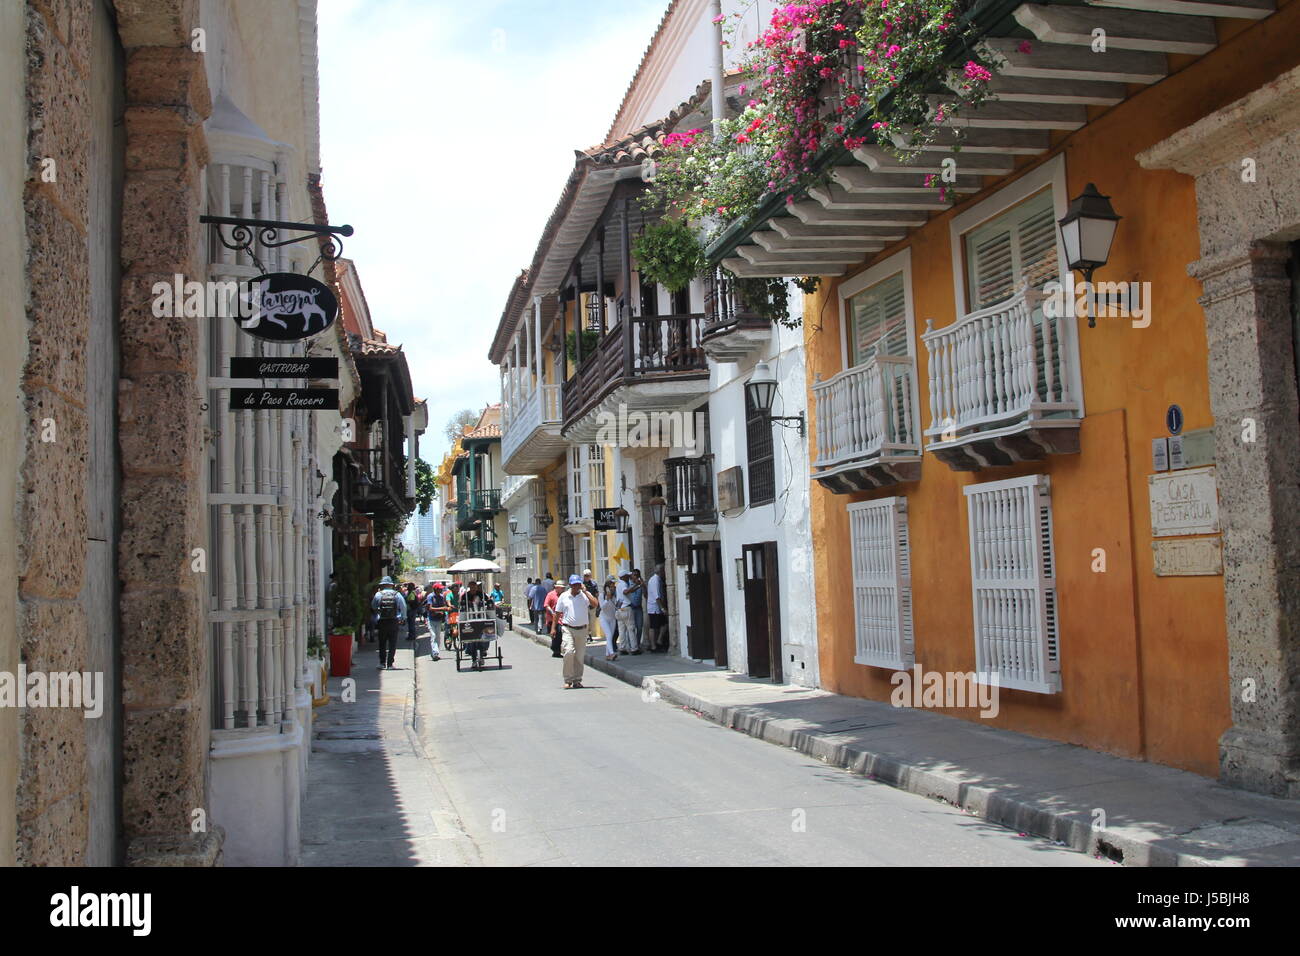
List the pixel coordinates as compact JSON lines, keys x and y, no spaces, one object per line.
{"x":412,"y":603}
{"x":573,"y":612}
{"x":656,"y":609}
{"x":390,"y":614}
{"x":608,"y":595}
{"x":536,"y":598}
{"x":635,"y":596}
{"x":629,"y":636}
{"x":437,"y":607}
{"x":592,"y":588}
{"x":552,"y":628}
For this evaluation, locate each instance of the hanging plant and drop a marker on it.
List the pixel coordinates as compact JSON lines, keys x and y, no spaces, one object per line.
{"x":770,"y":298}
{"x":669,"y":253}
{"x":590,"y":342}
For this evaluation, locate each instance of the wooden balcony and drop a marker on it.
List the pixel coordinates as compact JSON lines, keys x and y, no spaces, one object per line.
{"x":866,"y":426}
{"x":643,"y":363}
{"x":732,"y":328}
{"x":1003,"y":386}
{"x":531,"y":438}
{"x":690,"y":491}
{"x":380,"y":490}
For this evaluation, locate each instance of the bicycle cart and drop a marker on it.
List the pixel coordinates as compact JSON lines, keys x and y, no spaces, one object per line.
{"x":473,"y":632}
{"x":477,"y":637}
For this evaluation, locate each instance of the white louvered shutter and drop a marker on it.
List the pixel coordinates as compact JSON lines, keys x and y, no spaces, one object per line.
{"x":882,"y":583}
{"x":577,"y":501}
{"x":878,"y":321}
{"x":1013,"y":580}
{"x":1018,"y":245}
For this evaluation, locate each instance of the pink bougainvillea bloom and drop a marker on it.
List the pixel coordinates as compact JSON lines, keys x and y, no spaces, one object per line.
{"x":742,"y":138}
{"x":880,"y":126}
{"x":893,"y":51}
{"x":840,"y":129}
{"x":974,"y":71}
{"x":1025,"y":47}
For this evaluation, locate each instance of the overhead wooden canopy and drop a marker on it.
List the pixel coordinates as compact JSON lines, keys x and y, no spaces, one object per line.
{"x":873,"y":199}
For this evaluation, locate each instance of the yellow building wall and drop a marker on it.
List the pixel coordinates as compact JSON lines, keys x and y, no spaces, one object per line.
{"x":1143,"y":659}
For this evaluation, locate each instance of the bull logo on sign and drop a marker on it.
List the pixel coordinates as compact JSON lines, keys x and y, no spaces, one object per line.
{"x":285,"y":307}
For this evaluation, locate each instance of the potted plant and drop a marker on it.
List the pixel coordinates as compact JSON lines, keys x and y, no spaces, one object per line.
{"x":347,"y":609}
{"x":669,"y":253}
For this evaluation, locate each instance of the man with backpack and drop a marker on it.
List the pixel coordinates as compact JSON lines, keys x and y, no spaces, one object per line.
{"x":390,"y":614}
{"x":436,"y":606}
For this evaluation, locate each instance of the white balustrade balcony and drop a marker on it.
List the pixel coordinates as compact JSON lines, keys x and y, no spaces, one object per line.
{"x":1004,"y":385}
{"x":866,"y":426}
{"x":531,"y":437}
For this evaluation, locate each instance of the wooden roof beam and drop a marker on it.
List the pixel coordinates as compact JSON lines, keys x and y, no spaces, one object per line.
{"x":1123,"y":29}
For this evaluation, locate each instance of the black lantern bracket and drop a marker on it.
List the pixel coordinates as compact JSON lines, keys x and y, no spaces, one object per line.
{"x":246,"y":234}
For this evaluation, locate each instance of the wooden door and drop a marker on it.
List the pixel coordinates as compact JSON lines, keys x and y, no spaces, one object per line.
{"x":699,"y":637}
{"x":762,"y":610}
{"x":717,"y":605}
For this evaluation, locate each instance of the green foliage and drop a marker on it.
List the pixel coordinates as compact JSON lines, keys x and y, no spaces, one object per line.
{"x":770,"y":298}
{"x":426,"y":486}
{"x":590,"y":342}
{"x":669,"y":253}
{"x":347,"y":604}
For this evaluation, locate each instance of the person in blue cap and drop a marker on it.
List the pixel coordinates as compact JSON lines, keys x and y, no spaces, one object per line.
{"x":573,"y":614}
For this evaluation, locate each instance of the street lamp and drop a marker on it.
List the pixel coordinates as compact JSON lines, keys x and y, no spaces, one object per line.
{"x":1087,"y":229}
{"x":760,"y":392}
{"x":657,"y":505}
{"x":621,"y":518}
{"x":514,"y":525}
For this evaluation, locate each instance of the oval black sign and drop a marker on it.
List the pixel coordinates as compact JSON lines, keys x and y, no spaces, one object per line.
{"x":286,"y":307}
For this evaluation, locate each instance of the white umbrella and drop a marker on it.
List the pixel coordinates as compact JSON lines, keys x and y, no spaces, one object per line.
{"x":474,"y":564}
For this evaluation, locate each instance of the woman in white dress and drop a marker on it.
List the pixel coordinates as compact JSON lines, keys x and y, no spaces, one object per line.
{"x":607,"y":597}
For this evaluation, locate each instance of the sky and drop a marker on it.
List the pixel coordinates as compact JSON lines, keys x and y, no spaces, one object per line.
{"x":447,"y":134}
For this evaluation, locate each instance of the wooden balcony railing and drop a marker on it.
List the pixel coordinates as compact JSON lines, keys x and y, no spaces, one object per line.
{"x":690,"y":490}
{"x":642,"y":348}
{"x":1003,"y":365}
{"x":865,"y":413}
{"x":487,"y":500}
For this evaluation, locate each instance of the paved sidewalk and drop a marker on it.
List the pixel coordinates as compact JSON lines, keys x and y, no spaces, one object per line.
{"x":372,"y":796}
{"x":1154,"y":815}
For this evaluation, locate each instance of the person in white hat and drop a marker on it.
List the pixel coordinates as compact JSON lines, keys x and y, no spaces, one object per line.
{"x":629,"y":640}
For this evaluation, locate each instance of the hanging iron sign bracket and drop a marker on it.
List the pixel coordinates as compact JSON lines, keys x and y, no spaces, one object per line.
{"x":245,"y":234}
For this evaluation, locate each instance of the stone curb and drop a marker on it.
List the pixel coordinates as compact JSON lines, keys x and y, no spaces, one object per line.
{"x":1070,"y":827}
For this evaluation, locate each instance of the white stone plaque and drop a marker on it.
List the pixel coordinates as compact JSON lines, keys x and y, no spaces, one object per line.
{"x":1183,"y":557}
{"x":1159,"y":454}
{"x":1184,"y":502}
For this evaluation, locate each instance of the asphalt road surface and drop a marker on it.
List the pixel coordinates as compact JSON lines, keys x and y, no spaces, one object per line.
{"x":530,"y":773}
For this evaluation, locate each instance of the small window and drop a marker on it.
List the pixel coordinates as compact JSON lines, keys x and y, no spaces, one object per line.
{"x":878,"y":321}
{"x":1017,"y":246}
{"x":595,"y":477}
{"x":762,"y":466}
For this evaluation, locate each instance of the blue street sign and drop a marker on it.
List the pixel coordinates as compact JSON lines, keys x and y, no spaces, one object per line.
{"x":1174,"y":419}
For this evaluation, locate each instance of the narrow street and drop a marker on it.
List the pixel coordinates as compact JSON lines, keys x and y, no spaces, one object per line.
{"x":508,"y":768}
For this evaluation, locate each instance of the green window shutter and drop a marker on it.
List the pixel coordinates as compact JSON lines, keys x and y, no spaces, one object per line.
{"x":1018,"y":245}
{"x":878,"y":321}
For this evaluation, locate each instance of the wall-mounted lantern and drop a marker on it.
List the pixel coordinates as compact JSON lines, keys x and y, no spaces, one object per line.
{"x":760,"y":392}
{"x":1087,"y":230}
{"x":621,"y":516}
{"x":657,"y":506}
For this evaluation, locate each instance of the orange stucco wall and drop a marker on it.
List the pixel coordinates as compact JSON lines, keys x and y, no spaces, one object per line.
{"x":1144,"y":658}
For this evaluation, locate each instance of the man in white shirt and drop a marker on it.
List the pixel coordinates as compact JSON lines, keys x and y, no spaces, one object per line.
{"x":628,"y":638}
{"x":656,"y":611}
{"x":573,"y":609}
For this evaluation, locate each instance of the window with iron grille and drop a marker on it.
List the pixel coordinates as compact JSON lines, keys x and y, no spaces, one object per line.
{"x":762,"y":465}
{"x":1013,"y":581}
{"x":882,"y":583}
{"x":595,"y":478}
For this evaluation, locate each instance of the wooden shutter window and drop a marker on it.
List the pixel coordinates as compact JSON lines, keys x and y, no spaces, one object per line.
{"x":878,"y":321}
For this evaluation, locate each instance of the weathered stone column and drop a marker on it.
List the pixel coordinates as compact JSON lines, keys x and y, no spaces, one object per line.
{"x":1257,"y":448}
{"x":1248,"y":211}
{"x":165,"y":678}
